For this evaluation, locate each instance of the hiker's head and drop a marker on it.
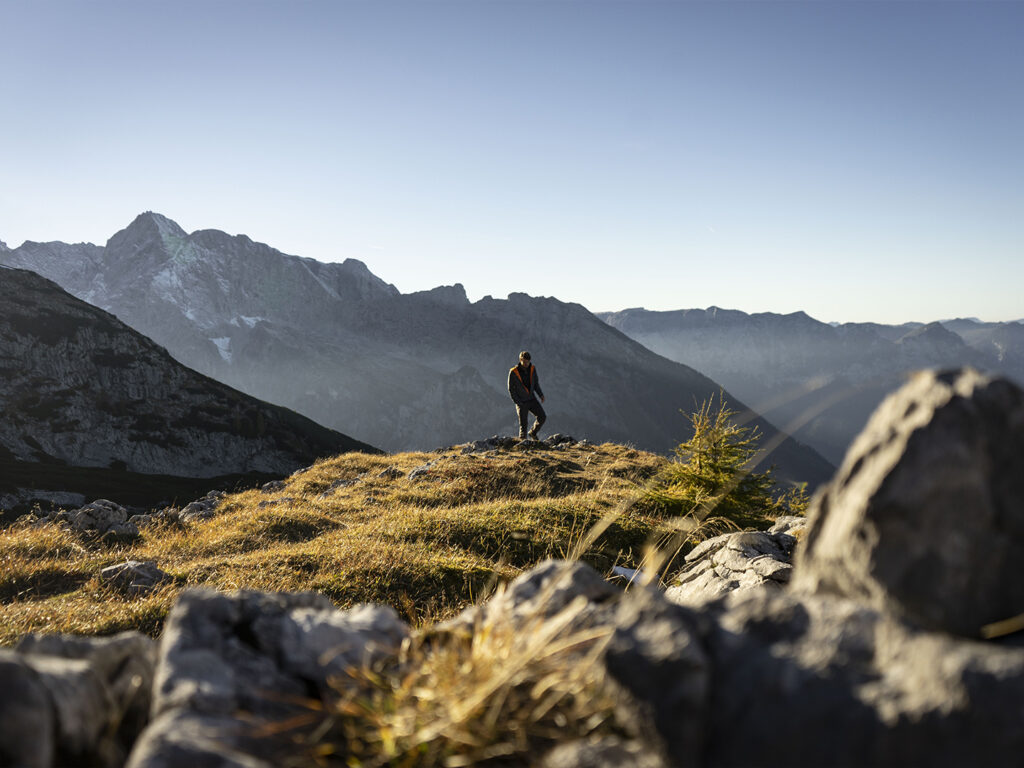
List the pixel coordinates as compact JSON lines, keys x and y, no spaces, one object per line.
{"x":524,"y":358}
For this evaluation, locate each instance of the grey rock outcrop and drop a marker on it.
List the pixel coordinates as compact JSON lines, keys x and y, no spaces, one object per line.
{"x":103,"y":517}
{"x":134,"y":576}
{"x":201,"y":509}
{"x":73,"y":701}
{"x":257,"y":654}
{"x":816,"y":680}
{"x":925,"y":518}
{"x":743,"y":560}
{"x":505,"y":442}
{"x":540,"y":594}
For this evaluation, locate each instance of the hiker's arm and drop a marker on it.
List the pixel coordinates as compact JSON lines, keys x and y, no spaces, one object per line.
{"x":512,"y":387}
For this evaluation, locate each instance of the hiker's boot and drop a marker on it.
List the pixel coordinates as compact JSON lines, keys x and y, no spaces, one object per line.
{"x":533,"y":434}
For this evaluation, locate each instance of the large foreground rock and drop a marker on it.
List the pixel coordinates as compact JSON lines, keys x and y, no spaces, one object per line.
{"x":925,"y":518}
{"x":233,"y":667}
{"x":69,"y":701}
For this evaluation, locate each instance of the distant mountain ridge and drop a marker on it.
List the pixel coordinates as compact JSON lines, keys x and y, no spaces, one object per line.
{"x":401,"y":371}
{"x":83,"y":396}
{"x":793,"y":368}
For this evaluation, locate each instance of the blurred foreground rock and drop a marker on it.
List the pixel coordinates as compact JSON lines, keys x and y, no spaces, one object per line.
{"x":70,"y":701}
{"x":925,"y":517}
{"x":872,"y":654}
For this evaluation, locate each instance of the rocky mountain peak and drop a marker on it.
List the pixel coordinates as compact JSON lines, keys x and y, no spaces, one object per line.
{"x":932,"y":333}
{"x":454,"y":295}
{"x":149,"y":221}
{"x":149,"y":240}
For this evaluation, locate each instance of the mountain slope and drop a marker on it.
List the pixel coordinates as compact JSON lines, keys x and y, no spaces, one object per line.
{"x":400,"y":371}
{"x":83,"y":395}
{"x":819,"y":382}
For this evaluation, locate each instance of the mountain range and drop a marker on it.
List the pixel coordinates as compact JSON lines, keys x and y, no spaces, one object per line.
{"x":400,"y":371}
{"x":818,"y":381}
{"x":90,"y":407}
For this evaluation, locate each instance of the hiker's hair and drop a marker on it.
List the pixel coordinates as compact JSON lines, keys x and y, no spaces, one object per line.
{"x":524,"y":355}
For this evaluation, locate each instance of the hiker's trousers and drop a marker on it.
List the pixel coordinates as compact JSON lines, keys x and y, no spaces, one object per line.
{"x":530,"y":406}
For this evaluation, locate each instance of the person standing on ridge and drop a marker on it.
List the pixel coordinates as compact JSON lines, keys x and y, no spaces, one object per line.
{"x":524,"y":388}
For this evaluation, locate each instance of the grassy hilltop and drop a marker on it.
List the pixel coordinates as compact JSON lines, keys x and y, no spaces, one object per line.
{"x":427,"y":546}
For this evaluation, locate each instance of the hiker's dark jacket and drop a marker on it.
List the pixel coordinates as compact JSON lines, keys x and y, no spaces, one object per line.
{"x":524,"y":386}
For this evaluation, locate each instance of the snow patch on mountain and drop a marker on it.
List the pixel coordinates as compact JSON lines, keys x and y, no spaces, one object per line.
{"x":223,"y":346}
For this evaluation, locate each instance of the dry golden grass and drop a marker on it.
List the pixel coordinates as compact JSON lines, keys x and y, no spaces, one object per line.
{"x":500,"y":696}
{"x":427,"y":547}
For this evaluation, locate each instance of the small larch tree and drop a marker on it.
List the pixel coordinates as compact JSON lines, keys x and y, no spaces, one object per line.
{"x":709,"y":478}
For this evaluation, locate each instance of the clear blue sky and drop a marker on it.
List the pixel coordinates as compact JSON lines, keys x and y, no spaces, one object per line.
{"x":856,"y":160}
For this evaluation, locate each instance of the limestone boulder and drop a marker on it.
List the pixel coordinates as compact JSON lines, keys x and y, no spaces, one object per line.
{"x":74,"y":701}
{"x":823,"y":680}
{"x":134,"y":576}
{"x":742,"y":560}
{"x":925,"y":517}
{"x":234,"y":666}
{"x":540,"y":594}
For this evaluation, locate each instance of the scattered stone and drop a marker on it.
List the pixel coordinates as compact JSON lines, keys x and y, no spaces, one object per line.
{"x":338,"y":484}
{"x":925,"y":518}
{"x":103,"y":517}
{"x":421,"y":472}
{"x":273,"y":485}
{"x":504,"y":442}
{"x":792,"y":525}
{"x":559,"y":439}
{"x":391,"y":473}
{"x":201,"y":509}
{"x":742,"y":560}
{"x":120,"y":533}
{"x":98,"y":516}
{"x":627,"y":576}
{"x":275,"y":502}
{"x":141,"y":521}
{"x":134,"y":576}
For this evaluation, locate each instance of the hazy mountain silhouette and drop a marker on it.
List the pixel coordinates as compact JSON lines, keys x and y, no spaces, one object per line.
{"x":343,"y":347}
{"x":818,"y":381}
